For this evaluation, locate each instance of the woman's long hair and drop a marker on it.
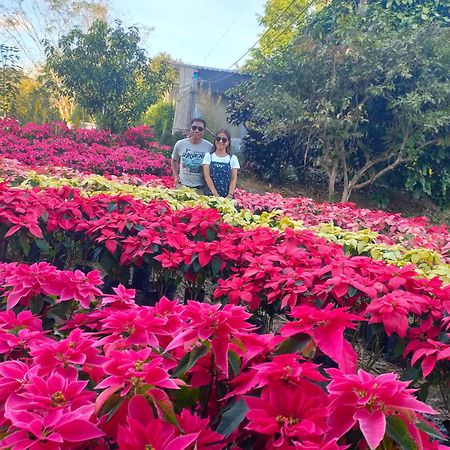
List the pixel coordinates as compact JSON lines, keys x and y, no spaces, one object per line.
{"x":228,"y":135}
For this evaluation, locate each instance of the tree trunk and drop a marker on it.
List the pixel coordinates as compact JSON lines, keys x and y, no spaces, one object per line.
{"x":332,"y":181}
{"x":347,"y":186}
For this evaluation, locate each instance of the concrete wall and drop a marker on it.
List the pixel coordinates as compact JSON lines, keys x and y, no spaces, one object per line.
{"x":194,"y":101}
{"x":184,"y":98}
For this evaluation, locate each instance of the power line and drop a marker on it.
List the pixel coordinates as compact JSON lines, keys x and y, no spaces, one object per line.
{"x":291,"y":23}
{"x":271,"y":28}
{"x":226,"y":31}
{"x":302,"y":12}
{"x":257,"y":42}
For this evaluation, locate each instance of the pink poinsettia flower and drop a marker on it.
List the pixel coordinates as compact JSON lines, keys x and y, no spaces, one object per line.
{"x":135,"y":369}
{"x":431,"y":351}
{"x":21,"y":341}
{"x":365,"y":399}
{"x":238,"y":290}
{"x":206,"y":439}
{"x":211,"y":322}
{"x":137,"y":326}
{"x":326,"y":326}
{"x":13,"y":376}
{"x":288,"y":369}
{"x":77,"y":349}
{"x":30,"y":221}
{"x":253,"y":348}
{"x":123,"y":297}
{"x":25,"y":319}
{"x":170,"y":259}
{"x":392,"y":310}
{"x":289,"y":414}
{"x":143,"y":431}
{"x":27,"y":281}
{"x":55,"y":429}
{"x":58,"y":390}
{"x":78,"y":286}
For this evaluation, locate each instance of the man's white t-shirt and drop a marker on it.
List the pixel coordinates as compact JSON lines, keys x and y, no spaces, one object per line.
{"x":190,"y":157}
{"x":232,"y":160}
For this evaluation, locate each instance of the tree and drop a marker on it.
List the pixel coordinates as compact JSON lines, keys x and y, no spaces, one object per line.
{"x":411,"y":13}
{"x":28,"y":23}
{"x":160,"y":117}
{"x":10,"y":74}
{"x":34,"y":102}
{"x":358,"y":100}
{"x":108,"y":74}
{"x":282,"y":20}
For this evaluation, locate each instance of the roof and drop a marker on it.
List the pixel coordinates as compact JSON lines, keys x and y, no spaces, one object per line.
{"x":219,"y":81}
{"x":216,"y":80}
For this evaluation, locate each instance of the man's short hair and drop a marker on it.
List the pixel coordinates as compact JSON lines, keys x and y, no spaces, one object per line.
{"x":199,"y":120}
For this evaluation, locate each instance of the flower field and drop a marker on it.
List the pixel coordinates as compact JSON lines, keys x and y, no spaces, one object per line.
{"x":286,"y":303}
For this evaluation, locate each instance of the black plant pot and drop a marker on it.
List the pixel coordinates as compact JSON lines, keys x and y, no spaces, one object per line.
{"x":147,"y":298}
{"x":170,"y":291}
{"x":108,"y":284}
{"x":141,"y":279}
{"x":193,"y":294}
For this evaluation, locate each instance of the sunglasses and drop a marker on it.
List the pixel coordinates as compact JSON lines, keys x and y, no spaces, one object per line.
{"x":194,"y":128}
{"x":221,"y":139}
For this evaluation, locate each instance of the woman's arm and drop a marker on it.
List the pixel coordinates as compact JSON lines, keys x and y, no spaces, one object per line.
{"x":209,"y":181}
{"x":233,"y":182}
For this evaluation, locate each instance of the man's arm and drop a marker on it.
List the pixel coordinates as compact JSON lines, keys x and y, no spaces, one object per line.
{"x":175,"y":164}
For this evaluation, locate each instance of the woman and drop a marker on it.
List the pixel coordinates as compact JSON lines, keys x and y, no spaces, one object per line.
{"x":220,"y":167}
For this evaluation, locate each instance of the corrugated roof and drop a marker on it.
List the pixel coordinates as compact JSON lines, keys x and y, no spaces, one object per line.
{"x":216,"y":80}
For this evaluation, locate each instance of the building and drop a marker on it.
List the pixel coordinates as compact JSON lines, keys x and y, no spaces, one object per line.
{"x":200,"y":92}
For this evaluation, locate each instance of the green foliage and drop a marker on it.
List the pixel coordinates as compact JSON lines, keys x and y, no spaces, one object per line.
{"x":281,"y":21}
{"x":27,"y":24}
{"x":34,"y":102}
{"x":353,"y":93}
{"x":160,"y":117}
{"x":107,"y":73}
{"x":411,"y":13}
{"x":9,"y":78}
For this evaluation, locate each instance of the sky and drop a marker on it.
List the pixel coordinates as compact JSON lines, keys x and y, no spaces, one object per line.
{"x":211,"y":33}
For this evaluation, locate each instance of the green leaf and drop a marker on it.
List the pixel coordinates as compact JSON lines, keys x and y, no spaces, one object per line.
{"x":232,"y":417}
{"x":25,"y":244}
{"x":427,"y":428}
{"x":112,"y":207}
{"x":293,"y":344}
{"x":107,"y":262}
{"x":37,"y":305}
{"x":210,"y":234}
{"x":216,"y":264}
{"x":111,"y":406}
{"x":396,"y":429}
{"x":42,"y":245}
{"x":188,"y":360}
{"x":61,"y":311}
{"x":186,"y":397}
{"x":234,"y":362}
{"x":163,"y":405}
{"x":352,"y":291}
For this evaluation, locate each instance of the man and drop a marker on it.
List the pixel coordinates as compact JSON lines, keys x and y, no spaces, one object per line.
{"x":187,"y":156}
